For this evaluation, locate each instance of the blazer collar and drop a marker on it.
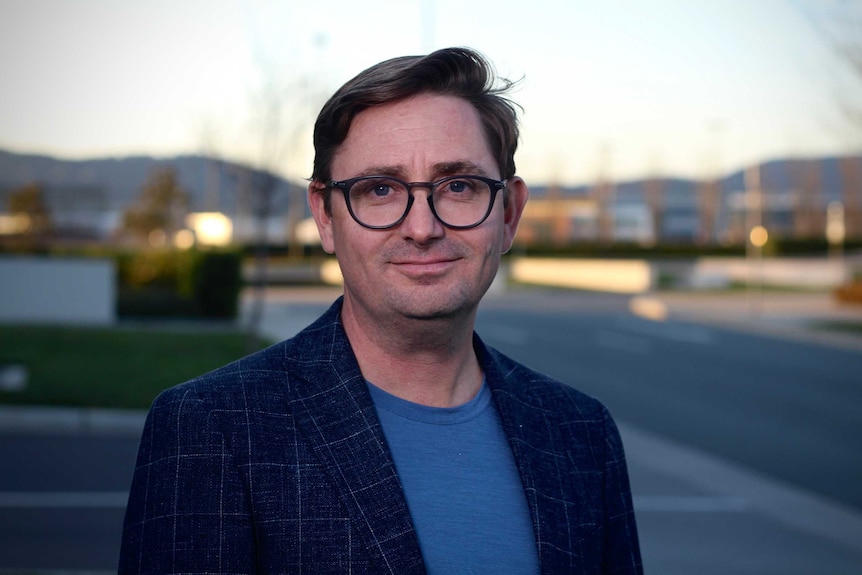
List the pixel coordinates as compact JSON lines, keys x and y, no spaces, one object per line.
{"x":530,"y":416}
{"x":331,"y":403}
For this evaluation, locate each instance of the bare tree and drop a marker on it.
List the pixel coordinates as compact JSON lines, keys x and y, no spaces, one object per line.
{"x":160,"y":207}
{"x":29,"y":202}
{"x":283,"y":113}
{"x":839,"y":24}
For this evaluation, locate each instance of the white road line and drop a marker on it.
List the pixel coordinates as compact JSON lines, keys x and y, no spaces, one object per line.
{"x":622,"y":342}
{"x":63,"y":499}
{"x":690,"y":504}
{"x":679,"y":333}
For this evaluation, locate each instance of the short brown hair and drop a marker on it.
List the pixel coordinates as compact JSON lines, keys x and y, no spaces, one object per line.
{"x":459,"y":72}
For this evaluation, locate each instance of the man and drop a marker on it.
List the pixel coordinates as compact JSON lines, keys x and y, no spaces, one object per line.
{"x":386,"y":437}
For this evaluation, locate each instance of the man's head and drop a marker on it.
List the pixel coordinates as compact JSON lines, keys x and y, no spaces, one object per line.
{"x":430,"y":140}
{"x":458,"y":72}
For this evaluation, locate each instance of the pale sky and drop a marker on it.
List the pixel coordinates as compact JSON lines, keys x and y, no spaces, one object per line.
{"x":627,"y":88}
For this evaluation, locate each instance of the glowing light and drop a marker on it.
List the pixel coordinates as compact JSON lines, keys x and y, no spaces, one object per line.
{"x":759,"y":236}
{"x":835,"y":229}
{"x":211,"y":228}
{"x":184,"y":239}
{"x":330,"y":273}
{"x":306,"y":233}
{"x":19,"y":223}
{"x":648,"y":308}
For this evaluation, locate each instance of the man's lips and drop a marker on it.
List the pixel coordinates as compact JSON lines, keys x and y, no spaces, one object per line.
{"x":424,"y":265}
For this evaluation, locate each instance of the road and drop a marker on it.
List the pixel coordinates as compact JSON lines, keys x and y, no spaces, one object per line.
{"x":785,"y":408}
{"x":743,"y":449}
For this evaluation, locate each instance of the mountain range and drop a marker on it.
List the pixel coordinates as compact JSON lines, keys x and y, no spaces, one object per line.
{"x":215,"y":184}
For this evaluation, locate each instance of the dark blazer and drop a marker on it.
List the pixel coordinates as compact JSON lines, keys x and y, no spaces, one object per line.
{"x":277,"y":463}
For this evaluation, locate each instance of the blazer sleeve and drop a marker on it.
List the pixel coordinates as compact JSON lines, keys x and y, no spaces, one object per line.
{"x":622,"y":550}
{"x":188,"y":510}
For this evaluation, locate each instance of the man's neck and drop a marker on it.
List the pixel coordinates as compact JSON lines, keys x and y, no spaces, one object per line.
{"x":426,"y":361}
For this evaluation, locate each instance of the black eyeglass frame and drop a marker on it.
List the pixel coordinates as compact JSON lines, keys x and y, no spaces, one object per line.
{"x":345,"y":185}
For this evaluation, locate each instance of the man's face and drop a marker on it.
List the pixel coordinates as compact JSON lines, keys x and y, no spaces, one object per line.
{"x":419,"y":269}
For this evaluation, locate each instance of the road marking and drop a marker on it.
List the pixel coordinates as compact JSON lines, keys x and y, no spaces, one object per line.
{"x":679,"y":333}
{"x":63,"y":499}
{"x":690,"y":504}
{"x":622,"y":342}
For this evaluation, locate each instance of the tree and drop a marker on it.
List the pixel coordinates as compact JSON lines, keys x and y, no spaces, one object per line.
{"x":160,"y":207}
{"x":839,"y":24}
{"x":29,"y":202}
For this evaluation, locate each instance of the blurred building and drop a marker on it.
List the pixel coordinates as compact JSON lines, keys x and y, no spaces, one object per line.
{"x":791,"y":197}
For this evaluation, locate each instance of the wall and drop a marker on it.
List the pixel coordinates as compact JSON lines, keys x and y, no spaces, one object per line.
{"x":58,"y":291}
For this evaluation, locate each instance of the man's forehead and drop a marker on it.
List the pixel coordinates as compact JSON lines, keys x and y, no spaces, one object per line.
{"x":438,"y":134}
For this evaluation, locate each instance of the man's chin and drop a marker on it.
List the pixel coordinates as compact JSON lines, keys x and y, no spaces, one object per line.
{"x":436,"y":306}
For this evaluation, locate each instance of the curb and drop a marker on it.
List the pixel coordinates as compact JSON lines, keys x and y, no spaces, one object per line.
{"x":78,"y":421}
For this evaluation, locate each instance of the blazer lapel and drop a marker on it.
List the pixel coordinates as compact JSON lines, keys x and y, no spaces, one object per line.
{"x":532,"y":427}
{"x":333,"y":407}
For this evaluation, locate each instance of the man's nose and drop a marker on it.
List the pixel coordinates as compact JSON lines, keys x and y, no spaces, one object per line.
{"x":421,"y":225}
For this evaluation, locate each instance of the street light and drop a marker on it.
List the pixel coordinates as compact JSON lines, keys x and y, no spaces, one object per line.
{"x":835,"y":230}
{"x":758,"y":237}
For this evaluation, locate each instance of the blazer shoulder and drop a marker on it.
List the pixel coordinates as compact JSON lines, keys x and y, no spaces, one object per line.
{"x":263,"y":373}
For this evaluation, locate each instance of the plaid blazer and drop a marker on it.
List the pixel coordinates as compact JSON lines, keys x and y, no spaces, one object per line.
{"x":277,"y":463}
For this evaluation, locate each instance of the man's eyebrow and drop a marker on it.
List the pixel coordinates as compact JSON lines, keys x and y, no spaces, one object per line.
{"x":464,"y":167}
{"x":438,"y":170}
{"x":392,"y":171}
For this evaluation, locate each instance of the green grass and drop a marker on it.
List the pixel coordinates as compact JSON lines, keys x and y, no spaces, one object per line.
{"x":110,"y":367}
{"x":848,"y":327}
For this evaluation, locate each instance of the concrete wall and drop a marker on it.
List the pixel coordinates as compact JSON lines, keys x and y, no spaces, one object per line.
{"x":640,"y":276}
{"x":618,"y":276}
{"x":57,"y":290}
{"x":806,"y":273}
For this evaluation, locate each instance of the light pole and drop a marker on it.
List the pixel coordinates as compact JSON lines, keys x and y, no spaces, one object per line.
{"x":756,"y":237}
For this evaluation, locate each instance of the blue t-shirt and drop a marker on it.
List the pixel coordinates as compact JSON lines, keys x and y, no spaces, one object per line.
{"x":462,"y":486}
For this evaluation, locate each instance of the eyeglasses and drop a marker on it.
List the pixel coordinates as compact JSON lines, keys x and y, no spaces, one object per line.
{"x":382,"y":202}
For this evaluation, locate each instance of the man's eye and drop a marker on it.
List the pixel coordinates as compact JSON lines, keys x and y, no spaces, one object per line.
{"x":459,"y":186}
{"x":382,"y":190}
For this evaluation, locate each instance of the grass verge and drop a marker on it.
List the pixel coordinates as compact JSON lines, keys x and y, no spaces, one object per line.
{"x":848,"y":327}
{"x":110,"y":367}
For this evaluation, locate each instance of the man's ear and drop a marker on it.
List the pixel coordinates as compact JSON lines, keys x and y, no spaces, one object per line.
{"x":517,"y":194}
{"x":322,"y":217}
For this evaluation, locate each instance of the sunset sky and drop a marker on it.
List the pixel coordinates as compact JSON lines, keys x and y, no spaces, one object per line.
{"x":625,"y":88}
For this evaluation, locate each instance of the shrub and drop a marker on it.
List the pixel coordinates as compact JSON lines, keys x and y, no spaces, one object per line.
{"x":217,"y":282}
{"x":173,"y":283}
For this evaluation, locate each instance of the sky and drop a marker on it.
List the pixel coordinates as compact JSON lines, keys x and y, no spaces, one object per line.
{"x":611,"y":89}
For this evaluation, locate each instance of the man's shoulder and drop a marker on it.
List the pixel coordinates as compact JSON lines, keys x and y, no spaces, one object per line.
{"x":225,"y":384}
{"x":262,"y":373}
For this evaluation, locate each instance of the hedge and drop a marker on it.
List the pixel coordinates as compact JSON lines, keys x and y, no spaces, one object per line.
{"x":174,"y":283}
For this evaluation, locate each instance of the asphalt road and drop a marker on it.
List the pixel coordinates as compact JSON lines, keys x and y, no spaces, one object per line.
{"x":752,"y":409}
{"x":785,"y":408}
